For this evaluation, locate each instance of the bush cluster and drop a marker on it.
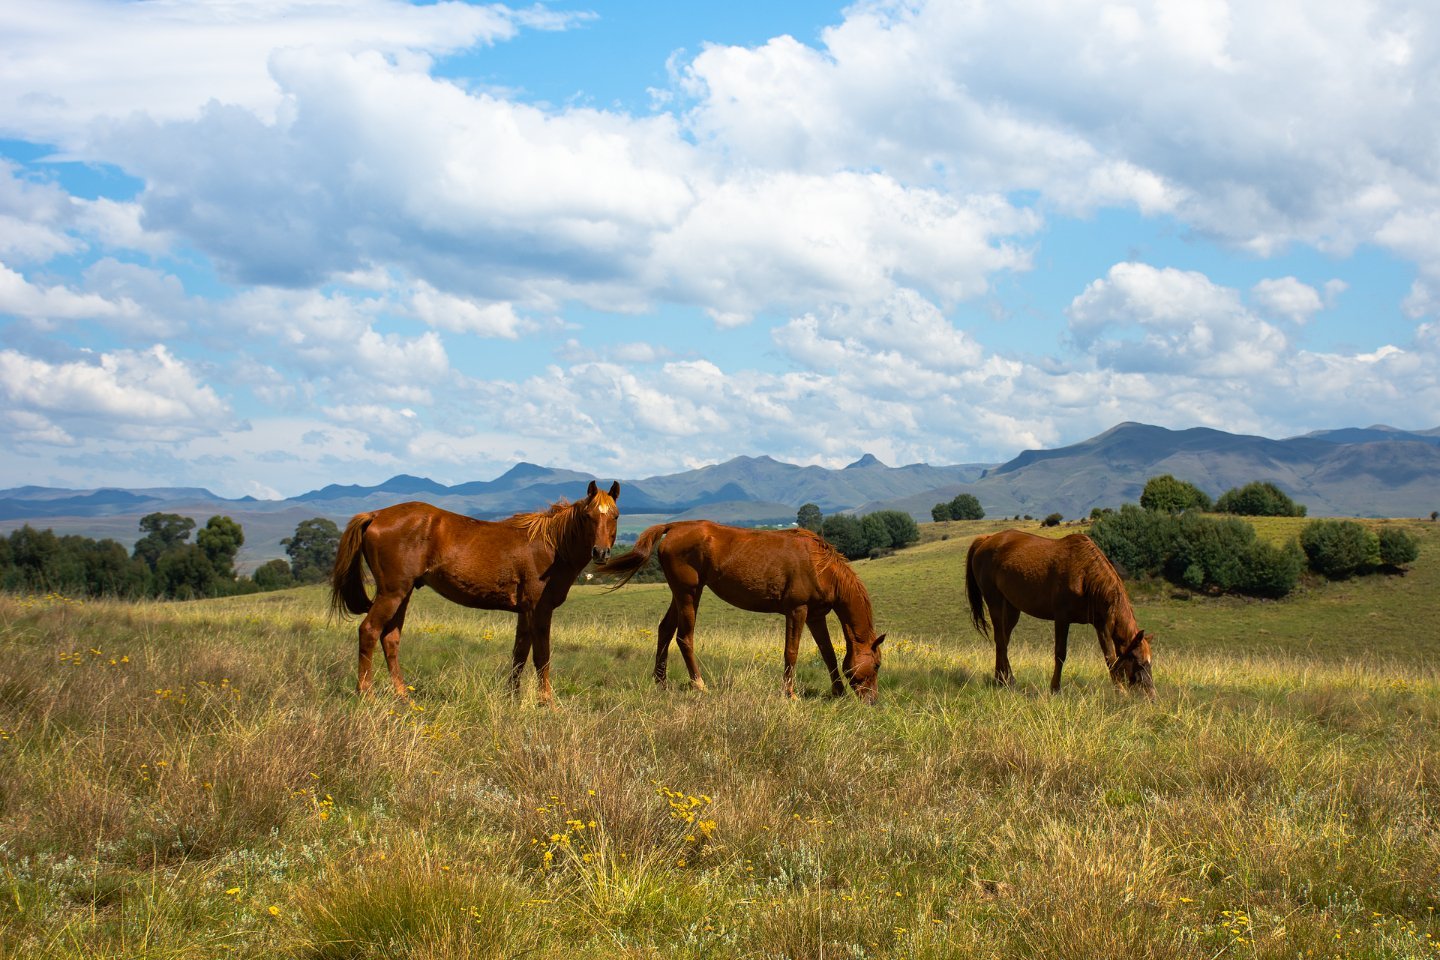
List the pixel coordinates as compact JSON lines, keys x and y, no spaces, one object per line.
{"x":965,"y":506}
{"x":871,"y":535}
{"x":1196,"y":551}
{"x":1343,"y":548}
{"x":1258,"y":499}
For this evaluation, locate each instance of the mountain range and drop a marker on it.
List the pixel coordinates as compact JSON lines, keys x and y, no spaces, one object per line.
{"x":1371,"y":471}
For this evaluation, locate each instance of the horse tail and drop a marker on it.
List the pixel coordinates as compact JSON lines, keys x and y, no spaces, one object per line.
{"x":972,"y":590}
{"x":347,"y":581}
{"x":628,"y":564}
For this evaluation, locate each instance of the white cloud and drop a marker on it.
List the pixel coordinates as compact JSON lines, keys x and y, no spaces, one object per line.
{"x":48,"y":305}
{"x":1144,"y":319}
{"x":128,"y":393}
{"x":1288,"y":298}
{"x":69,"y":63}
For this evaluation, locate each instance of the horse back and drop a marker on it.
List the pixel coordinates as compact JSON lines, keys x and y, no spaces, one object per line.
{"x":1040,"y":576}
{"x":758,"y":570}
{"x":473,"y":562}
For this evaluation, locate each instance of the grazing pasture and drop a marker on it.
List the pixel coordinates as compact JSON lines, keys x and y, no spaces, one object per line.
{"x":200,"y":780}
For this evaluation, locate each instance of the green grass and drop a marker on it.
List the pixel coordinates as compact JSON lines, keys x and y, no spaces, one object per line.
{"x":199,"y":780}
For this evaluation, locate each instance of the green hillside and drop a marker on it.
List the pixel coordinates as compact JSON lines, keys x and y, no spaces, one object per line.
{"x":199,"y":780}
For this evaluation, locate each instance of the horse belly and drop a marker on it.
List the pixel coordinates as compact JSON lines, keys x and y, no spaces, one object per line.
{"x":489,"y":594}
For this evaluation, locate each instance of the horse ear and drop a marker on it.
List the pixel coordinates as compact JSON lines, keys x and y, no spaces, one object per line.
{"x":590,"y":492}
{"x":615,"y":490}
{"x":878,"y":640}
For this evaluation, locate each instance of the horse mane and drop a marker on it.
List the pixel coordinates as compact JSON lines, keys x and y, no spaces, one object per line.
{"x":551,"y":526}
{"x":827,"y":558}
{"x":1102,"y":581}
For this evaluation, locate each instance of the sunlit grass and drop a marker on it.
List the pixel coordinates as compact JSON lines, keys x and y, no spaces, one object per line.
{"x":199,"y":780}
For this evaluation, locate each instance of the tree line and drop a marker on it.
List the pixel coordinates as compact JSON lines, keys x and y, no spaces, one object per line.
{"x":164,"y":562}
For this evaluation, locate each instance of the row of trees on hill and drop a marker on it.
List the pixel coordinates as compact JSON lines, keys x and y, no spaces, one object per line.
{"x":164,"y":562}
{"x":872,"y":535}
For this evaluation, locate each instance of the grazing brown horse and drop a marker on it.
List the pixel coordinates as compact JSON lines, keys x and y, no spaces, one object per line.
{"x":791,"y":572}
{"x":1067,"y":580}
{"x":525,"y":564}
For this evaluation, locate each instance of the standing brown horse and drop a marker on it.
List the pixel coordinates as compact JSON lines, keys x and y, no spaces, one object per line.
{"x":525,"y":564}
{"x":1067,"y":580}
{"x":791,"y":572}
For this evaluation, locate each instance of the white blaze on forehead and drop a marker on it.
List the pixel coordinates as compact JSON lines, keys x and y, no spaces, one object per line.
{"x":604,"y":508}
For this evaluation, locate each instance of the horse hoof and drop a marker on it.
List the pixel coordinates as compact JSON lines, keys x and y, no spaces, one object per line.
{"x":698,"y":685}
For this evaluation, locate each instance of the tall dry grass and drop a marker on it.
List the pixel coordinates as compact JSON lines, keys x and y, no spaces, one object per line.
{"x":200,"y":780}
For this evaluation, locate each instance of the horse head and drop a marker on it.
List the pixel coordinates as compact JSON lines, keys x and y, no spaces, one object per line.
{"x":603,"y":517}
{"x":862,"y":667}
{"x":1132,"y":666}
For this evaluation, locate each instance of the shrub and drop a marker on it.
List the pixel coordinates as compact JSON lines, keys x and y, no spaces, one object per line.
{"x":1397,"y":547}
{"x":1339,"y":548}
{"x":1199,"y":552}
{"x":846,"y":534}
{"x":1053,"y":520}
{"x":1169,"y":495}
{"x":1258,"y":499}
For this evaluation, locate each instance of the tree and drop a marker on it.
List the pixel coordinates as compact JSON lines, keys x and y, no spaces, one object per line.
{"x":809,"y":517}
{"x":900,"y":526}
{"x":312,"y":549}
{"x":221,"y":539}
{"x":162,"y":532}
{"x":940,"y":512}
{"x":1258,"y":499}
{"x":966,"y":506}
{"x":847,"y":535}
{"x":1052,"y":520}
{"x":185,"y":573}
{"x":274,"y":575}
{"x":1168,"y":495}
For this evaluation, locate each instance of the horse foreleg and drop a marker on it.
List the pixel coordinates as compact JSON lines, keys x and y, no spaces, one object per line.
{"x":1107,"y":648}
{"x":520,"y":653}
{"x":794,"y":623}
{"x":820,"y":631}
{"x":1062,"y":641}
{"x":391,"y":643}
{"x":540,"y":650}
{"x":689,"y":608}
{"x":375,"y":625}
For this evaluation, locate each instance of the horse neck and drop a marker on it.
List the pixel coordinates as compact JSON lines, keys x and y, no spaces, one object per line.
{"x":1120,"y":619}
{"x":563,"y":538}
{"x":852,"y":606}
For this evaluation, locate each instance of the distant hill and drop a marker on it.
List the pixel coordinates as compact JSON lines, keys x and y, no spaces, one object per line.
{"x":1352,"y":471}
{"x":1371,"y":472}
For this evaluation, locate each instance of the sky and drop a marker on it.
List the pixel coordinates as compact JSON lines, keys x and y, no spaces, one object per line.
{"x":265,"y":246}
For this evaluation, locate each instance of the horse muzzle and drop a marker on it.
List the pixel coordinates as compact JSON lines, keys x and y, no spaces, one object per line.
{"x":599,"y":554}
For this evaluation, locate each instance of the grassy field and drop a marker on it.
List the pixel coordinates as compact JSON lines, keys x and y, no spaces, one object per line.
{"x":199,"y":780}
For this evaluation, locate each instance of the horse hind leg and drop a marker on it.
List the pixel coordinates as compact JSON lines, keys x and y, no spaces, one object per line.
{"x":375,"y":626}
{"x":1003,"y":618}
{"x":390,"y":641}
{"x":664,"y":633}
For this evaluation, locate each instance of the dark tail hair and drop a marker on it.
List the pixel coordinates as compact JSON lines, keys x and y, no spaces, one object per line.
{"x":347,"y":581}
{"x":972,"y":590}
{"x":628,"y":564}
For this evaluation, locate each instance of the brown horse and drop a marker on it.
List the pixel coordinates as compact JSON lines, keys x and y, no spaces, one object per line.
{"x":791,"y":572}
{"x":1067,"y":580}
{"x":525,"y":564}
